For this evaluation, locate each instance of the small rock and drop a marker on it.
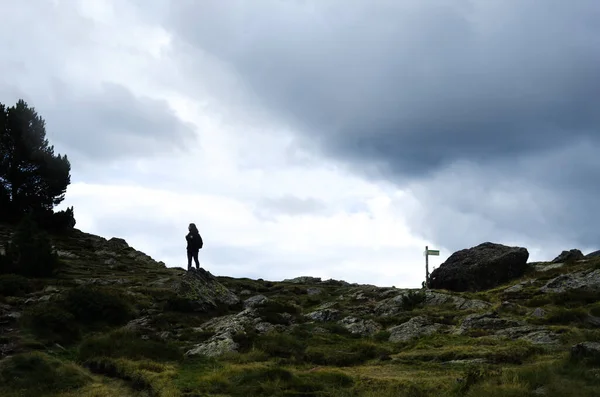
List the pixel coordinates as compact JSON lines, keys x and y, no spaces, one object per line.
{"x":50,"y":289}
{"x":214,"y":347}
{"x":245,"y":292}
{"x":255,"y":301}
{"x":486,"y":321}
{"x":467,"y":361}
{"x":112,"y":254}
{"x":593,"y":321}
{"x":110,"y":261}
{"x":586,"y":350}
{"x":303,"y":280}
{"x":538,"y":312}
{"x":66,"y":254}
{"x":327,"y":305}
{"x":413,"y":328}
{"x":324,"y":315}
{"x":263,"y":327}
{"x":360,"y":326}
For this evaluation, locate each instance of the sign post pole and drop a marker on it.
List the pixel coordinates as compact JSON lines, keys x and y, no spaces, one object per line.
{"x":426,"y":267}
{"x":427,"y":253}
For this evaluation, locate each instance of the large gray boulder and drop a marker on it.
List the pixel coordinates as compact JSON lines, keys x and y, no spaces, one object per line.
{"x":569,"y":256}
{"x":482,"y":267}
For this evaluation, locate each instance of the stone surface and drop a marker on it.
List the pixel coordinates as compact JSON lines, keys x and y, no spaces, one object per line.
{"x":413,"y":328}
{"x":586,"y":350}
{"x":203,"y":289}
{"x":394,"y":305}
{"x":538,"y":312}
{"x":594,"y":254}
{"x":544,"y":267}
{"x":482,"y":267}
{"x":487,"y":321}
{"x":314,"y":291}
{"x":360,"y":326}
{"x":569,"y":256}
{"x":214,"y":347}
{"x":324,"y":315}
{"x":255,"y":301}
{"x":303,"y":280}
{"x":534,"y":334}
{"x":585,"y":280}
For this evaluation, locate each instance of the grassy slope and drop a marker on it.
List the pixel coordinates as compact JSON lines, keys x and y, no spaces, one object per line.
{"x":101,"y":358}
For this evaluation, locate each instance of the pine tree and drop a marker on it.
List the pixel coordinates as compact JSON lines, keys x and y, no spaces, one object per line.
{"x":32,"y":177}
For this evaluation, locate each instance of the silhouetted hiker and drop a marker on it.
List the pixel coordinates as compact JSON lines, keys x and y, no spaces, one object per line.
{"x":194,"y":244}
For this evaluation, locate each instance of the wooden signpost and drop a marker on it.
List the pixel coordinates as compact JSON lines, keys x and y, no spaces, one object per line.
{"x":427,"y":253}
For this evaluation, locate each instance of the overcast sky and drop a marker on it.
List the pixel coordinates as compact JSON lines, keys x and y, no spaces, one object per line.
{"x":325,"y":138}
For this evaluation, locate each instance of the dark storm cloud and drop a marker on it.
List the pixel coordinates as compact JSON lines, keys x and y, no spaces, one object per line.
{"x":487,"y":110}
{"x":113,"y":123}
{"x":108,"y":123}
{"x":411,"y":85}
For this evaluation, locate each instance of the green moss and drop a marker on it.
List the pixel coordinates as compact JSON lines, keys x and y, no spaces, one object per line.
{"x":127,"y":344}
{"x":95,"y":305}
{"x":36,"y":374}
{"x":51,"y":323}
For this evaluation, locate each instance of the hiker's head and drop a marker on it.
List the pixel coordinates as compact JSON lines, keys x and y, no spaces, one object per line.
{"x":192,"y":228}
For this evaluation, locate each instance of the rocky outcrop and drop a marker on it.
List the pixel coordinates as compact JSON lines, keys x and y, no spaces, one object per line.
{"x":586,"y":350}
{"x":324,"y":315}
{"x":482,"y":267}
{"x":533,"y":334}
{"x":359,"y":326}
{"x":585,"y":280}
{"x":594,"y":254}
{"x":202,"y":288}
{"x":489,"y":321}
{"x":255,"y":301}
{"x":303,"y":280}
{"x":413,"y":328}
{"x":506,"y":328}
{"x":215,"y":346}
{"x":569,"y":256}
{"x":395,"y":305}
{"x":518,"y":287}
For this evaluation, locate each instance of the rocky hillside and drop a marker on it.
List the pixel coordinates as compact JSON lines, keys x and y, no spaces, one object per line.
{"x":114,"y":322}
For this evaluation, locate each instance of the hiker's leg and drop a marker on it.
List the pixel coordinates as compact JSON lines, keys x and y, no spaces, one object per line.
{"x":196,"y":260}
{"x":189,"y":258}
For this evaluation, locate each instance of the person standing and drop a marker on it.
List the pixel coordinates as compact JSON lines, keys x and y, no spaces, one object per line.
{"x":194,"y":244}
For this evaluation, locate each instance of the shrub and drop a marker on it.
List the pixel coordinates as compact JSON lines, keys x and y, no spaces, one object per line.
{"x":382,"y":336}
{"x":14,"y":285}
{"x":57,"y":222}
{"x":562,"y":315}
{"x":30,"y":252}
{"x":351,"y":353}
{"x":127,"y":344}
{"x":413,"y":299}
{"x":37,"y":374}
{"x":280,"y":345}
{"x":95,"y":305}
{"x":271,"y":312}
{"x":51,"y":323}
